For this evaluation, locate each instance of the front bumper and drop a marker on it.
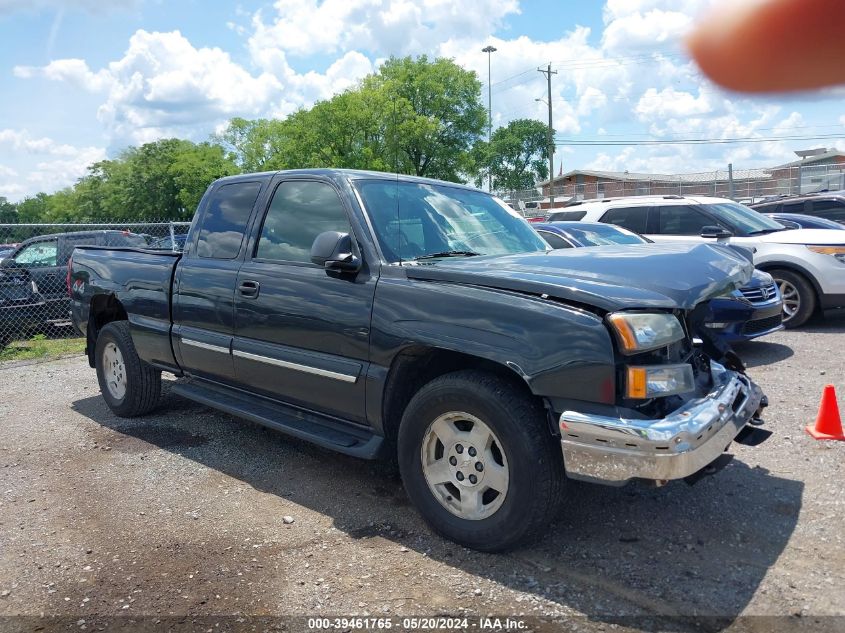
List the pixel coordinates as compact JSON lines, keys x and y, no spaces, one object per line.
{"x":614,"y":450}
{"x":745,"y":321}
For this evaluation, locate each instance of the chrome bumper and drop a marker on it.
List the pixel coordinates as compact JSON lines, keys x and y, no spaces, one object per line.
{"x":613,"y":450}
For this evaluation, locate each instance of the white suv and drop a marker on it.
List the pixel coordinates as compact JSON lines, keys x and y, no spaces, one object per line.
{"x":808,"y":264}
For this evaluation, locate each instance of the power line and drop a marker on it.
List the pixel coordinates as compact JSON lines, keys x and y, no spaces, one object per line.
{"x":604,"y":62}
{"x":694,"y":141}
{"x":650,"y":136}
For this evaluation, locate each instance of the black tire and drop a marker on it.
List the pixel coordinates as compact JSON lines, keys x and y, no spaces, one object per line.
{"x":143,"y":382}
{"x":534,"y":460}
{"x":806,"y":296}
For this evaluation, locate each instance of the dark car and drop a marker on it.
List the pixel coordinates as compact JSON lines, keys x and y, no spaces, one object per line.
{"x":175,"y":243}
{"x":7,"y":249}
{"x":21,"y":307}
{"x":801,"y":221}
{"x":44,"y":259}
{"x":829,"y":205}
{"x":425,"y":321}
{"x":748,"y":313}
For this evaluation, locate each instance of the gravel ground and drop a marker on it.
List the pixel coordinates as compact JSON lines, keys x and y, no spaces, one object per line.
{"x":192,"y":513}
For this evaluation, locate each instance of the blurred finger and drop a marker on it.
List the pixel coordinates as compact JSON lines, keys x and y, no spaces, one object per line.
{"x":772,"y":45}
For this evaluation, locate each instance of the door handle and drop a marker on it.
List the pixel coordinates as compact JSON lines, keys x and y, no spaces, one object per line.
{"x":249,"y":289}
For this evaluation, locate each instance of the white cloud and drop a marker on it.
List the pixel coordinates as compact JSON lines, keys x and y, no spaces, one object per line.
{"x":74,"y":71}
{"x":30,"y":164}
{"x":23,"y":142}
{"x":669,"y":103}
{"x":381,"y":27}
{"x":631,"y":76}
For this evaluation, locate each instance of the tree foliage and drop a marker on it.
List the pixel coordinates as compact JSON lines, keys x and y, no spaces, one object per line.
{"x":160,"y":180}
{"x":413,"y":116}
{"x":516,"y":156}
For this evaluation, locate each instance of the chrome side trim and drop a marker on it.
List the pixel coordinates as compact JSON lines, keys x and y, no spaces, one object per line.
{"x":208,"y":346}
{"x":297,"y":367}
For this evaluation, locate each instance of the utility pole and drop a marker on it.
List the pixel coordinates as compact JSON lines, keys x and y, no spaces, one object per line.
{"x":489,"y":50}
{"x":548,"y":73}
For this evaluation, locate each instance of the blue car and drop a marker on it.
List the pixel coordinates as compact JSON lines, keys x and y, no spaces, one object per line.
{"x":748,"y":313}
{"x":801,"y":221}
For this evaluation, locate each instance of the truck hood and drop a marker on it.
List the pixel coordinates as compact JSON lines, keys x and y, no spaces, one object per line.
{"x":610,"y":278}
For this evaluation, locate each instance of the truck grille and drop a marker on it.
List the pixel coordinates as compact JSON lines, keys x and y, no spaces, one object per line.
{"x":762,"y":325}
{"x":763,"y":294}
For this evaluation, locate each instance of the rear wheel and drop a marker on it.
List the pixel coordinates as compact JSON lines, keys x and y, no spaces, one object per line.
{"x":479,"y":462}
{"x":799,"y":297}
{"x":129,"y":386}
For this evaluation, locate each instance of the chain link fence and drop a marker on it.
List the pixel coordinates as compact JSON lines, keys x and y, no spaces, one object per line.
{"x":33,"y":269}
{"x":742,"y":185}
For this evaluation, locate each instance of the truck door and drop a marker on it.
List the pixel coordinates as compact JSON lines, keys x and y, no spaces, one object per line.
{"x":302,"y":334}
{"x":204,"y":285}
{"x":40,"y":258}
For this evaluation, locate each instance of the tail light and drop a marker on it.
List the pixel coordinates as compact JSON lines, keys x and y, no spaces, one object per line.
{"x":67,"y":278}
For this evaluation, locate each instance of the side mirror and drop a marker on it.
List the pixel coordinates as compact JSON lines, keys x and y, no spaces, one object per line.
{"x":333,"y":251}
{"x":7,"y":262}
{"x":715,"y":232}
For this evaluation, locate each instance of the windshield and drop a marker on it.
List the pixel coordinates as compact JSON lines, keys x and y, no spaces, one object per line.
{"x":742,"y":220}
{"x":420,"y":220}
{"x":602,"y":234}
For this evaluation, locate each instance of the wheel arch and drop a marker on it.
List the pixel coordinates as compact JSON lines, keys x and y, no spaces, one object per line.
{"x":104,"y":309}
{"x":418,"y":365}
{"x":768,"y":267}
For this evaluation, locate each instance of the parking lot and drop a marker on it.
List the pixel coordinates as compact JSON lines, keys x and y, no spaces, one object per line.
{"x":189,"y":512}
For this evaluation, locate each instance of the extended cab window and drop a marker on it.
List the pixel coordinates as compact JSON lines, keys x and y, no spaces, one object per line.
{"x":631,"y":218}
{"x":39,"y":254}
{"x":299,"y":212}
{"x":681,"y":220}
{"x":223,"y":224}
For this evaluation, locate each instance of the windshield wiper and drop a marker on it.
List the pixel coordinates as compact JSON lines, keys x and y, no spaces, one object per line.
{"x":448,"y":254}
{"x":766,"y":231}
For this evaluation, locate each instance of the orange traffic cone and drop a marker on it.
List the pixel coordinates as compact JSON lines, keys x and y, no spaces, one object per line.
{"x":828,"y":423}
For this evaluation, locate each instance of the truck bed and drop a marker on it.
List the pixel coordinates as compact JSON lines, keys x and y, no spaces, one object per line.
{"x":141,"y":280}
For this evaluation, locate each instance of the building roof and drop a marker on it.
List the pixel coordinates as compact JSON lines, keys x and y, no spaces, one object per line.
{"x":813,"y":156}
{"x":707,"y":176}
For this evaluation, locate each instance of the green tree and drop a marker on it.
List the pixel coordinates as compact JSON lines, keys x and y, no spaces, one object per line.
{"x":8,"y":211}
{"x":516,"y":155}
{"x":33,"y":209}
{"x":437,"y":114}
{"x":254,"y":145}
{"x":193,"y":170}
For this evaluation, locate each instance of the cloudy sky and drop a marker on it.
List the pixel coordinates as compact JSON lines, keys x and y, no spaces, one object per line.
{"x":80,"y":81}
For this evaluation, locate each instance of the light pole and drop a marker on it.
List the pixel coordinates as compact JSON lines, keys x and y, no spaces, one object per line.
{"x":489,"y":50}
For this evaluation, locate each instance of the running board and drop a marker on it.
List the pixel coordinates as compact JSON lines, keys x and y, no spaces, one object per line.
{"x":304,"y":425}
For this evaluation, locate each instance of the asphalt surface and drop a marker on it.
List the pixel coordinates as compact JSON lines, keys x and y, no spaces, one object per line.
{"x":189,"y":513}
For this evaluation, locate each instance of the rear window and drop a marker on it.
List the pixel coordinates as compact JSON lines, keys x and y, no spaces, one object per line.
{"x":829,"y":209}
{"x":631,"y":218}
{"x":555,"y":241}
{"x":792,"y":207}
{"x":567,"y":216}
{"x":224,"y":222}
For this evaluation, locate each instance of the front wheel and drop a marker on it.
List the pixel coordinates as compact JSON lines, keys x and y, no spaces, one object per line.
{"x":799,"y":298}
{"x":129,"y":386}
{"x":479,"y":462}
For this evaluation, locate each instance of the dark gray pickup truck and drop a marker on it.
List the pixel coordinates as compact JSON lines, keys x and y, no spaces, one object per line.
{"x":426,"y":322}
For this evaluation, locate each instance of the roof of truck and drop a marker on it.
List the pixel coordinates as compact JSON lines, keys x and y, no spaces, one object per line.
{"x":349,"y":174}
